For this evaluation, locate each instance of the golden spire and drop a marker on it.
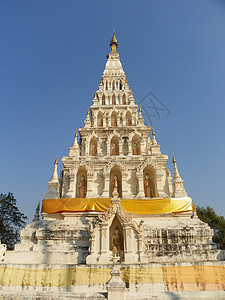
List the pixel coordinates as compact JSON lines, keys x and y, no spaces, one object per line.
{"x":114,"y":43}
{"x":76,"y":134}
{"x":174,"y":159}
{"x":154,"y":142}
{"x":176,"y":172}
{"x":56,"y":160}
{"x":195,"y":215}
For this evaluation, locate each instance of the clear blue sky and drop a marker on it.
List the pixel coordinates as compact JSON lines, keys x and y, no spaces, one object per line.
{"x":52,"y":57}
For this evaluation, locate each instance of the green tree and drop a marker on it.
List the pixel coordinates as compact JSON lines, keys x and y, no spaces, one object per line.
{"x":217,"y":223}
{"x":11,"y":220}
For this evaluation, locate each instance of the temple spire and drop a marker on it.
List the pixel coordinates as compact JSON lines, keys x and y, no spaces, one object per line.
{"x":178,"y":183}
{"x":75,"y":149}
{"x":154,"y":142}
{"x":53,"y":185}
{"x":176,"y":172}
{"x":55,"y":172}
{"x":114,"y":43}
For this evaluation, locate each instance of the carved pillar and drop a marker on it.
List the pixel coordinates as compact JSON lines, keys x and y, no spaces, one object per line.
{"x":105,"y":193}
{"x":124,"y":185}
{"x":87,"y":146}
{"x":141,"y":193}
{"x":104,"y":120}
{"x":120,"y":147}
{"x":72,"y":184}
{"x":130,"y":150}
{"x":159,"y":192}
{"x":108,"y":148}
{"x":89,"y":184}
{"x":104,"y":251}
{"x":99,"y":142}
{"x":142,"y":147}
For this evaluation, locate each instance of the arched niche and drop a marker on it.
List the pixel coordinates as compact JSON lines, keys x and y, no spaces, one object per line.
{"x":114,"y":119}
{"x":93,"y":147}
{"x":114,"y":99}
{"x":113,"y":85}
{"x":100,"y":119}
{"x":136,"y":145}
{"x":116,"y":238}
{"x":128,"y":118}
{"x":81,"y":186}
{"x":103,"y":99}
{"x":124,"y":99}
{"x":120,"y":85}
{"x":106,"y":85}
{"x":114,"y":146}
{"x":115,"y":176}
{"x":149,"y":182}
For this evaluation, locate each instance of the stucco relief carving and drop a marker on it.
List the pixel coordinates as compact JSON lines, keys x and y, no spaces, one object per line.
{"x":148,"y":162}
{"x":113,"y":163}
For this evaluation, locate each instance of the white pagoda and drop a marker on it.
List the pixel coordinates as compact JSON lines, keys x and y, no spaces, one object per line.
{"x":116,"y":204}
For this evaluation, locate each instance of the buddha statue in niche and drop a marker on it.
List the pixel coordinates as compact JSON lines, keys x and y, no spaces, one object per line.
{"x":117,"y":243}
{"x":125,"y":147}
{"x":148,"y":187}
{"x":100,"y":122}
{"x":115,"y":185}
{"x":128,"y":123}
{"x":135,"y":149}
{"x":115,"y":149}
{"x":94,"y":150}
{"x":82,"y":187}
{"x":114,"y":121}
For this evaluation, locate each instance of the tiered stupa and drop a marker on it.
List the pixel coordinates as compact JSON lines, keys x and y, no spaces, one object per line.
{"x":116,"y":203}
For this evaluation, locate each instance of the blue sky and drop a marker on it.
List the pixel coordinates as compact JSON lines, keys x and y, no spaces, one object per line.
{"x":52,"y":57}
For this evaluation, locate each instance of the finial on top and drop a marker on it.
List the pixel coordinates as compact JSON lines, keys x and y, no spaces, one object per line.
{"x":153,"y":131}
{"x":114,"y":43}
{"x":56,"y":160}
{"x":140,"y":110}
{"x":174,"y":159}
{"x":88,"y":112}
{"x":76,"y":134}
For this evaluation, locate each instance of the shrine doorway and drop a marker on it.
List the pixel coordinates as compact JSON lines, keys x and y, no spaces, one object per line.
{"x":116,"y":238}
{"x":114,"y":146}
{"x":93,"y":149}
{"x":149,"y":182}
{"x":81,"y":186}
{"x":128,"y":118}
{"x":114,"y":119}
{"x":115,"y":179}
{"x":136,"y":145}
{"x":100,"y":119}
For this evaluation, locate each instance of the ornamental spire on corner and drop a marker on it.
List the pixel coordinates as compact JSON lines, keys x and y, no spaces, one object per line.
{"x":75,"y":149}
{"x":178,"y":183}
{"x":53,"y":185}
{"x":55,"y":172}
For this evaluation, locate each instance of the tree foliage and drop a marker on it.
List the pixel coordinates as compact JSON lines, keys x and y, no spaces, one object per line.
{"x":11,"y":220}
{"x":217,"y":223}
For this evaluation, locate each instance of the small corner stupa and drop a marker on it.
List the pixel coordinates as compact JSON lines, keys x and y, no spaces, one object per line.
{"x":116,"y":204}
